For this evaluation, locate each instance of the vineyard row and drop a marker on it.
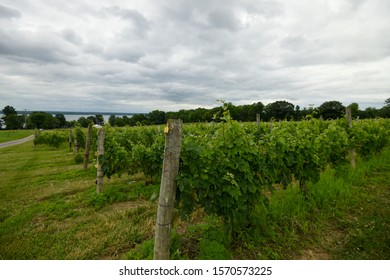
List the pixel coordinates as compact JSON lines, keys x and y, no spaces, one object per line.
{"x":226,"y":166}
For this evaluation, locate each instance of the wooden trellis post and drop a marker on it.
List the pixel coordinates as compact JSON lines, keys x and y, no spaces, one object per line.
{"x":258,"y":120}
{"x":76,"y":146}
{"x":87,"y":146}
{"x":70,"y":139}
{"x":352,"y":152}
{"x":100,"y":154}
{"x":166,"y":201}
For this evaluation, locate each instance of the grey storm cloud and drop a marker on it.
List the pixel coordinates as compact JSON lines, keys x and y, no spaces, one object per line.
{"x":7,"y":12}
{"x":129,"y":14}
{"x":71,"y":36}
{"x":138,"y":56}
{"x":28,"y":46}
{"x":225,"y":19}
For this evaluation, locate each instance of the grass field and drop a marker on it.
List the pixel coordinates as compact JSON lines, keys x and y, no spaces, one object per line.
{"x":10,"y":135}
{"x":49,"y":210}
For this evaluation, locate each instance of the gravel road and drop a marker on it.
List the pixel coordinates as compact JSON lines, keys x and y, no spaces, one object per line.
{"x":15,"y":142}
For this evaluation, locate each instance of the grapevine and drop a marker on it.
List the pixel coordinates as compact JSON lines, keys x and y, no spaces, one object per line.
{"x":226,"y":166}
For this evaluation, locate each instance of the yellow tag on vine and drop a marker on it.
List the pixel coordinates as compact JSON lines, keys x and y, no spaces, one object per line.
{"x":166,"y":129}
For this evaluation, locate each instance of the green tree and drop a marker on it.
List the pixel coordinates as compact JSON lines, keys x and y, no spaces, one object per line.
{"x":11,"y":119}
{"x":9,"y":110}
{"x":120,"y":121}
{"x":112,"y":120}
{"x":138,"y":119}
{"x":310,"y":111}
{"x":354,"y":109}
{"x":90,"y":119}
{"x":126,"y":120}
{"x":298,"y":113}
{"x":157,"y":117}
{"x":71,"y":123}
{"x":83,"y":122}
{"x":280,"y":110}
{"x":61,"y":120}
{"x":14,"y":121}
{"x":183,"y":115}
{"x":99,"y":120}
{"x":370,"y":113}
{"x":258,"y":108}
{"x":385,"y":111}
{"x":42,"y":120}
{"x":332,"y":110}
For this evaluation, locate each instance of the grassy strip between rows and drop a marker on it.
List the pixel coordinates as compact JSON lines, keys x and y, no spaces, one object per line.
{"x":49,"y":210}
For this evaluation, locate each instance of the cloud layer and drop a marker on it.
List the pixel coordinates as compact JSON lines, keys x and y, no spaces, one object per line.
{"x":138,"y":56}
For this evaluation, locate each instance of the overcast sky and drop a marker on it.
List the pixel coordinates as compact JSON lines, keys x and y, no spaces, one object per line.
{"x":139,"y":56}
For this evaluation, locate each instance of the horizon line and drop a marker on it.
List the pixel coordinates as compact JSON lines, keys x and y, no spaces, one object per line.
{"x":76,"y":112}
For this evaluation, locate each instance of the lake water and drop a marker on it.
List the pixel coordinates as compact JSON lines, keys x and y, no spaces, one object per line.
{"x":76,"y":117}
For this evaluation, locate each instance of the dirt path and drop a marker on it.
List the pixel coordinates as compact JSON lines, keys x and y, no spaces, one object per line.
{"x":16,"y":142}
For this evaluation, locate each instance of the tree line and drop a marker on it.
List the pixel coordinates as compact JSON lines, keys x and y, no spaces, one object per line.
{"x":278,"y":110}
{"x":42,"y":120}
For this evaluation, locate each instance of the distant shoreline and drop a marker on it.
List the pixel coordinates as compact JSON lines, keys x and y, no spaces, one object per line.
{"x":80,"y":113}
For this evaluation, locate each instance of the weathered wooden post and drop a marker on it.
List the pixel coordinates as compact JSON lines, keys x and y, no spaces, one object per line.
{"x":100,"y":154}
{"x":76,"y":146}
{"x":166,"y":201}
{"x":352,"y":152}
{"x":87,"y":146}
{"x":70,"y":139}
{"x":258,"y":120}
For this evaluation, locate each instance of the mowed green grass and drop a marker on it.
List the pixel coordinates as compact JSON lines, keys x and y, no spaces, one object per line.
{"x":49,"y":209}
{"x":366,"y":226}
{"x":346,"y":216}
{"x":10,"y":135}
